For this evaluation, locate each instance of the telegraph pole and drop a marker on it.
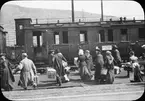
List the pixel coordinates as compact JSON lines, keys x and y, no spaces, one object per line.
{"x":72,"y":5}
{"x":102,"y":10}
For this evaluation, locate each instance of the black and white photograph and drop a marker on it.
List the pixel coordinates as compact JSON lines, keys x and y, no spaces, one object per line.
{"x":72,"y":50}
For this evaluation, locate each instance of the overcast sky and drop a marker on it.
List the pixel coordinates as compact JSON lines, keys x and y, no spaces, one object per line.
{"x":110,"y":7}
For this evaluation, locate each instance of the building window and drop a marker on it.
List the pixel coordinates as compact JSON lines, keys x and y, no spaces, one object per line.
{"x":124,"y":36}
{"x":20,"y":27}
{"x":56,"y":38}
{"x":101,"y":36}
{"x":110,"y":35}
{"x":83,"y":36}
{"x":65,"y":36}
{"x":141,"y":33}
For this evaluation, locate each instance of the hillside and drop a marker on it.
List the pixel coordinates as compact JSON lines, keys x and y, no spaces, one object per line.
{"x":10,"y":12}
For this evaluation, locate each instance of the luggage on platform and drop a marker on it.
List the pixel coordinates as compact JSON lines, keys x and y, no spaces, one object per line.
{"x":116,"y":70}
{"x":51,"y":73}
{"x":104,"y":71}
{"x":131,"y":76}
{"x":36,"y":79}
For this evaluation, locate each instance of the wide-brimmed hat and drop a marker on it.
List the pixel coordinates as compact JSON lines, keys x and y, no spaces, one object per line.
{"x":97,"y":48}
{"x":115,"y":47}
{"x":24,"y":54}
{"x":108,"y":52}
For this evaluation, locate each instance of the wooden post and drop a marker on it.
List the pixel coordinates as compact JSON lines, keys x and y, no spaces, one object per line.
{"x":102,"y":19}
{"x":72,"y":2}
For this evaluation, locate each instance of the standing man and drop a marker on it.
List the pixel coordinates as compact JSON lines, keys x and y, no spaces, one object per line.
{"x":58,"y":66}
{"x":6,"y":75}
{"x":116,"y":55}
{"x":99,"y":64}
{"x":28,"y":70}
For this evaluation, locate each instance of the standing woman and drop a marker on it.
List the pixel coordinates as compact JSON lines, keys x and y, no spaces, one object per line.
{"x":135,"y":73}
{"x":110,"y":67}
{"x":89,"y":60}
{"x":84,"y":72}
{"x":99,"y":64}
{"x":7,"y":77}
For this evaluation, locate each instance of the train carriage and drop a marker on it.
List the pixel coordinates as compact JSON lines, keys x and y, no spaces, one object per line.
{"x":38,"y":39}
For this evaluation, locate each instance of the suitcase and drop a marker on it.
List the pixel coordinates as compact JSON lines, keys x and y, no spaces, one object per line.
{"x":104,"y":71}
{"x":51,"y":73}
{"x":131,"y":76}
{"x":36,"y":79}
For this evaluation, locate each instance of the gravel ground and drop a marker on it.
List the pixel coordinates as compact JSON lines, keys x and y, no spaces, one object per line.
{"x":47,"y":88}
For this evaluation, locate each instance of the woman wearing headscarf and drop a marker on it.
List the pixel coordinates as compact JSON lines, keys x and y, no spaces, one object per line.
{"x":7,"y":77}
{"x":84,"y":72}
{"x":110,"y":67}
{"x":89,"y":60}
{"x":99,"y":64}
{"x":135,"y":73}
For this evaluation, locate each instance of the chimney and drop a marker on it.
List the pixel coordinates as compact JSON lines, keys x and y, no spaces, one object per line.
{"x":124,"y":18}
{"x":120,"y":19}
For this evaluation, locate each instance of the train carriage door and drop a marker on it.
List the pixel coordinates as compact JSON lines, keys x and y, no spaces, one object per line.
{"x":29,"y":43}
{"x":37,"y":44}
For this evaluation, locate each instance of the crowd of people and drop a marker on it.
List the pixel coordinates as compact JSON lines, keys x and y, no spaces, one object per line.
{"x":103,"y":65}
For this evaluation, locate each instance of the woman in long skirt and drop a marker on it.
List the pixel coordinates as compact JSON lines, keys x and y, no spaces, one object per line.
{"x":89,"y":60}
{"x":7,"y":77}
{"x":110,"y":67}
{"x":135,"y":74}
{"x":84,"y":72}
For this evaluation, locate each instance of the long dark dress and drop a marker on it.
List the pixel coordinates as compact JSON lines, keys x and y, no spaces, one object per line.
{"x":110,"y":67}
{"x":84,"y":73}
{"x":7,"y":77}
{"x":99,"y":64}
{"x":89,"y":62}
{"x":136,"y":71}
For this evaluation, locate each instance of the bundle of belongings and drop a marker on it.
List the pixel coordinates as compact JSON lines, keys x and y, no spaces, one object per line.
{"x":67,"y":71}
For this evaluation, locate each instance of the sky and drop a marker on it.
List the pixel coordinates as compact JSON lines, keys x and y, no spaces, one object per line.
{"x":110,"y":7}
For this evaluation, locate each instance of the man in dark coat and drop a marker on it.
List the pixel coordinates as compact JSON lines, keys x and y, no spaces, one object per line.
{"x":58,"y":66}
{"x":116,"y":55}
{"x":99,"y":64}
{"x":7,"y":77}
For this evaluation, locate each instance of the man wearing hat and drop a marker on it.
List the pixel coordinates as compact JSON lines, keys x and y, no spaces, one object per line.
{"x":116,"y":55}
{"x":99,"y":64}
{"x":28,"y":70}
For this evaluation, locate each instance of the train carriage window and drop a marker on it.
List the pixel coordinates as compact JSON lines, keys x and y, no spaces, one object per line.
{"x":37,"y":39}
{"x":56,"y":38}
{"x":101,"y":36}
{"x":83,"y":36}
{"x":110,"y":35}
{"x":65,"y":36}
{"x":20,"y":27}
{"x":124,"y":36}
{"x":141,"y":33}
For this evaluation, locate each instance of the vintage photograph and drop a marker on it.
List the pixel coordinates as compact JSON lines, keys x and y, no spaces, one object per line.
{"x":72,"y":50}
